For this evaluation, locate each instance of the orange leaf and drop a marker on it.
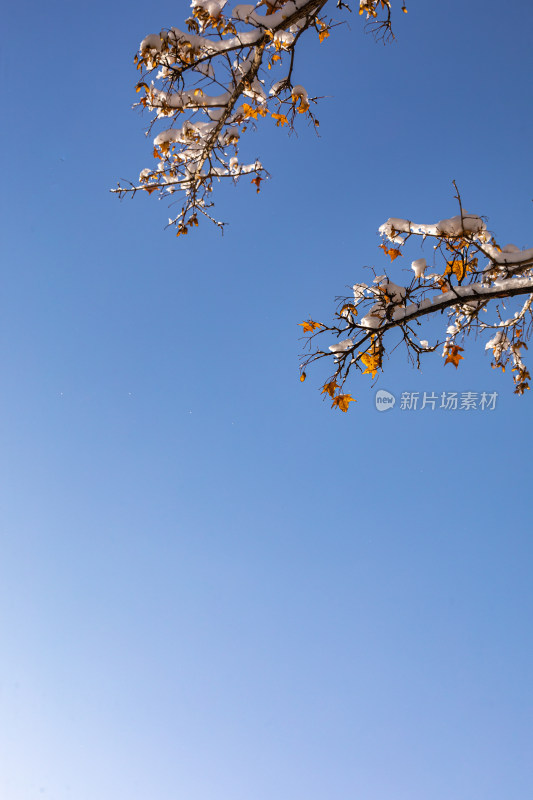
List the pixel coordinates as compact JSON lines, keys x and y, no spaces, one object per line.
{"x":309,"y":325}
{"x":393,"y":252}
{"x":323,"y":32}
{"x":348,"y":307}
{"x":249,"y":111}
{"x":342,"y":401}
{"x":372,"y":362}
{"x":456,"y":268}
{"x":303,"y":376}
{"x":453,"y":355}
{"x":257,"y":182}
{"x":329,"y":388}
{"x":281,"y":119}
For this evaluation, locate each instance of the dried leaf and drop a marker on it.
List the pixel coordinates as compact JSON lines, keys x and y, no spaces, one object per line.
{"x":309,"y":326}
{"x":348,"y":308}
{"x":342,"y":401}
{"x":457,"y":268}
{"x":454,"y":355}
{"x":330,"y":388}
{"x":250,"y":111}
{"x":281,"y":119}
{"x":323,"y":32}
{"x":393,"y":252}
{"x":372,"y":362}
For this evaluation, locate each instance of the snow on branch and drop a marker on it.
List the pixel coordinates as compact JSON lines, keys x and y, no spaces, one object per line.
{"x":470,"y":275}
{"x":227,"y":72}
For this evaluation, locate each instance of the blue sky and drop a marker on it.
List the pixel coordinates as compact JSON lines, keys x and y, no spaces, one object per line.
{"x":212,"y":587}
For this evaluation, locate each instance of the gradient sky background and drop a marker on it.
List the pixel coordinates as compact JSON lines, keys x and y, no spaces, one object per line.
{"x":212,"y":587}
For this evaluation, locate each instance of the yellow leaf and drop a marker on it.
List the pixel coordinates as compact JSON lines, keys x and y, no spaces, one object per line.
{"x":390,"y":251}
{"x":454,"y":355}
{"x":342,"y":401}
{"x":303,"y":376}
{"x":372,"y":362}
{"x":329,"y":388}
{"x":348,"y":307}
{"x":309,"y":325}
{"x":281,"y":119}
{"x":323,"y":32}
{"x":457,"y":268}
{"x":249,"y":111}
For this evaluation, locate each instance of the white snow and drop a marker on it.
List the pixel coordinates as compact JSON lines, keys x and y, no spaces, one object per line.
{"x":359,"y":290}
{"x":341,"y":347}
{"x":283,"y":38}
{"x":370,"y":321}
{"x":454,"y":226}
{"x":457,"y":226}
{"x":419,"y":267}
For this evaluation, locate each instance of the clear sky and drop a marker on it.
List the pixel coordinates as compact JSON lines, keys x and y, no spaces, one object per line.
{"x":212,"y":587}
